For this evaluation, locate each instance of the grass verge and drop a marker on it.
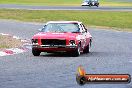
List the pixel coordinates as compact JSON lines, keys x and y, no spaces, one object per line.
{"x":66,"y":2}
{"x":121,"y":20}
{"x":8,"y":42}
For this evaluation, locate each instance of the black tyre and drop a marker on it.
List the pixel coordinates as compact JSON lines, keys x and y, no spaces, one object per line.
{"x":35,"y":52}
{"x":98,"y":5}
{"x":90,"y":5}
{"x":77,"y":52}
{"x":87,"y":49}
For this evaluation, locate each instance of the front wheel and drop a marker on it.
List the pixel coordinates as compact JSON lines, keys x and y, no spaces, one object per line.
{"x":35,"y":52}
{"x":77,"y":52}
{"x":90,"y":4}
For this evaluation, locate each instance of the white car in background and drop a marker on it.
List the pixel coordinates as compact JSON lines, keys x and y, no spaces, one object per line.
{"x":90,"y":3}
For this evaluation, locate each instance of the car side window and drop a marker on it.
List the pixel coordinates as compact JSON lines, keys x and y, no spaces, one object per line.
{"x":84,"y":29}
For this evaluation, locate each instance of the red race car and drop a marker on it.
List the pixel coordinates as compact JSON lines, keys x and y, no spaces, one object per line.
{"x":62,"y":36}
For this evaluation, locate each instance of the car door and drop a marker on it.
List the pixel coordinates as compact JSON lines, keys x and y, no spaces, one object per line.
{"x":86,"y":35}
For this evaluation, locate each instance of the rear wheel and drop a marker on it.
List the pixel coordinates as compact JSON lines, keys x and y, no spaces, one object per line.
{"x":35,"y":52}
{"x":97,"y":5}
{"x":87,"y":49}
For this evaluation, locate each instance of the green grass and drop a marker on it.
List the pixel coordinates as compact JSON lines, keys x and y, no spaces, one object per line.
{"x":2,"y":43}
{"x":3,"y":46}
{"x":8,"y":42}
{"x":121,"y":20}
{"x":66,"y":2}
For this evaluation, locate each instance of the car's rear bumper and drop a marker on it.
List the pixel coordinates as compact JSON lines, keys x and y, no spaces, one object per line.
{"x":48,"y":48}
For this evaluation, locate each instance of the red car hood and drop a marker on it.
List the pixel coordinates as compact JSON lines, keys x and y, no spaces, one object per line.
{"x":43,"y":35}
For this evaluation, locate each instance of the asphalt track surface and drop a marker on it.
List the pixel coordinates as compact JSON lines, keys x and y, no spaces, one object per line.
{"x":111,"y":52}
{"x":82,"y":8}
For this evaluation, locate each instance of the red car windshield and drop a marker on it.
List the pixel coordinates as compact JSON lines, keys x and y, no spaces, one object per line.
{"x":61,"y":27}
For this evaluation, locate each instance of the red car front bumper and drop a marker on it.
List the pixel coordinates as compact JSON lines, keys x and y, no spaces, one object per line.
{"x":49,"y":48}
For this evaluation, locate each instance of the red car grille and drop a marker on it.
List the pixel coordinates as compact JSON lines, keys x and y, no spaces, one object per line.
{"x":53,"y":42}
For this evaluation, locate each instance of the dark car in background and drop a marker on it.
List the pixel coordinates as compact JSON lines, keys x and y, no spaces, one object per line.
{"x":90,"y":3}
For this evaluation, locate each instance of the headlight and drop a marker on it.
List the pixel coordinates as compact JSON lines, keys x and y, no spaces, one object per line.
{"x":72,"y":42}
{"x":34,"y":40}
